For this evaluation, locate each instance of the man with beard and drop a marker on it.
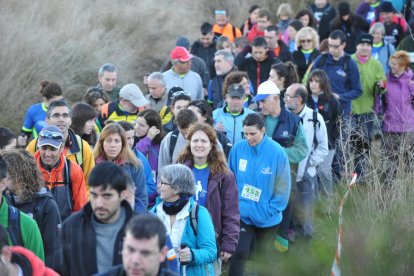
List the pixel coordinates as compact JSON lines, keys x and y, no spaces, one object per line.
{"x":92,"y":238}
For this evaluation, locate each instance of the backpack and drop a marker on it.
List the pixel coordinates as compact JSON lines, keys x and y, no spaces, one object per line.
{"x":14,"y":229}
{"x":37,"y":208}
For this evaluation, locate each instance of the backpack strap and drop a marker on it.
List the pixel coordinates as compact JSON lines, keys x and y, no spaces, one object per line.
{"x":234,"y":32}
{"x":79,"y":154}
{"x":315,"y":123}
{"x":68,"y":183}
{"x":173,"y":141}
{"x":194,"y":217}
{"x":14,"y":229}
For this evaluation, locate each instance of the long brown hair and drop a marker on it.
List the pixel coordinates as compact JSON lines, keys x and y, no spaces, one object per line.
{"x":126,"y":154}
{"x":215,"y":159}
{"x":24,"y":173}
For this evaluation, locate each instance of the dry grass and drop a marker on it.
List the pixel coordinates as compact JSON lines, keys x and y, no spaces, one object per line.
{"x":67,"y":41}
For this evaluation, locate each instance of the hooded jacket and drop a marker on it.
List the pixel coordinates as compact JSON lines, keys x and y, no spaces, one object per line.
{"x":398,"y":107}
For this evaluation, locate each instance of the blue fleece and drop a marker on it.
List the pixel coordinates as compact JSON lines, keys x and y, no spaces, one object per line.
{"x":266,"y":167}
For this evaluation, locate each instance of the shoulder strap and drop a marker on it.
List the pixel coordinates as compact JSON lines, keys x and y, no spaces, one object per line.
{"x":68,"y":183}
{"x":194,"y":218}
{"x":315,"y":123}
{"x":79,"y":154}
{"x":173,"y":141}
{"x":221,"y":195}
{"x":14,"y":229}
{"x":234,"y":32}
{"x":322,"y":61}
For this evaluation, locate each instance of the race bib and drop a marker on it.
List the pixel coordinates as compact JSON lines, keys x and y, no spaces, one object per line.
{"x":251,"y":192}
{"x":242,"y":165}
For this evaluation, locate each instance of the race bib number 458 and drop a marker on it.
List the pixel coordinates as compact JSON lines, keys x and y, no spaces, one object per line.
{"x":251,"y":192}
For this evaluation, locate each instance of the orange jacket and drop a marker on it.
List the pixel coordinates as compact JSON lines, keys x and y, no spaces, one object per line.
{"x":229,"y":30}
{"x":55,"y":178}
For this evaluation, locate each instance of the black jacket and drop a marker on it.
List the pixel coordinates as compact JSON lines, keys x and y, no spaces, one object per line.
{"x":44,"y":210}
{"x":207,"y":54}
{"x":215,"y":89}
{"x":331,"y":111}
{"x":300,"y":61}
{"x":353,"y":28}
{"x":79,"y":242}
{"x":323,"y":17}
{"x":252,"y":67}
{"x":284,"y":54}
{"x":119,"y":271}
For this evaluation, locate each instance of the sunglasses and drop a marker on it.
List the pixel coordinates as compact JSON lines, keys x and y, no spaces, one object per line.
{"x":50,"y":134}
{"x":306,"y":41}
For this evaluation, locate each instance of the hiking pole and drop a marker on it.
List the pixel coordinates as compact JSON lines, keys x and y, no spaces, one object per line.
{"x":335,"y":270}
{"x":184,"y":264}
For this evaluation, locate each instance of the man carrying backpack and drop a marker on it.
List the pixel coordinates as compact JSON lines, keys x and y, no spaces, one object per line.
{"x":344,"y":77}
{"x":317,"y":142}
{"x":63,"y":177}
{"x":22,"y":230}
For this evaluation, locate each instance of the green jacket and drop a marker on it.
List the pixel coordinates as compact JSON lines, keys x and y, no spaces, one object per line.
{"x":371,"y":72}
{"x":31,"y":234}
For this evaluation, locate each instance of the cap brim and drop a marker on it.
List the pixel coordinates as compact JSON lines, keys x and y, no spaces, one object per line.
{"x":49,"y":142}
{"x":235,"y":94}
{"x":261,"y":97}
{"x":140,"y":102}
{"x":186,"y":59}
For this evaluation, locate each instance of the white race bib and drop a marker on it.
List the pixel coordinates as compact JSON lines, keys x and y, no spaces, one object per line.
{"x":242,"y":165}
{"x":251,"y":192}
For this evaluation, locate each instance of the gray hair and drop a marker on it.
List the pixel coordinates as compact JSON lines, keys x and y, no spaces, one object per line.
{"x":157,"y":76}
{"x":107,"y":67}
{"x":377,"y":27}
{"x":226,"y":55}
{"x":180,"y":177}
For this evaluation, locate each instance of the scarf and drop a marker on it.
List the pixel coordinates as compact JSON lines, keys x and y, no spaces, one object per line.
{"x":172,"y":208}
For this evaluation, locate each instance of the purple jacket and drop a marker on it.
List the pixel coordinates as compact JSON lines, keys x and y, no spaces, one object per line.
{"x":224,"y":213}
{"x":398,"y":109}
{"x":151,"y":152}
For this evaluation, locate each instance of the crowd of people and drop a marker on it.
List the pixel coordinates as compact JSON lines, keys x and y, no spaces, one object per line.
{"x":223,"y":155}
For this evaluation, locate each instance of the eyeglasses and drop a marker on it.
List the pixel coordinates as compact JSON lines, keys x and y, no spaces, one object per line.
{"x":334,"y":46}
{"x":165,"y":183}
{"x":50,"y":134}
{"x":306,"y":41}
{"x":58,"y":115}
{"x":290,"y":97}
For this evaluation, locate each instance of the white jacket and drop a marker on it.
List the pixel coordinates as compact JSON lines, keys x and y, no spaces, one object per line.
{"x":318,"y":154}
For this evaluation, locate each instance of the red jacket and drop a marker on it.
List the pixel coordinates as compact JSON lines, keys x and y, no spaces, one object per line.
{"x":254,"y":32}
{"x":30,"y":263}
{"x":55,"y":179}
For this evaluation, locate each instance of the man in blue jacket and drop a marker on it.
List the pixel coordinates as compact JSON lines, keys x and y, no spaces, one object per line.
{"x":262,"y":172}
